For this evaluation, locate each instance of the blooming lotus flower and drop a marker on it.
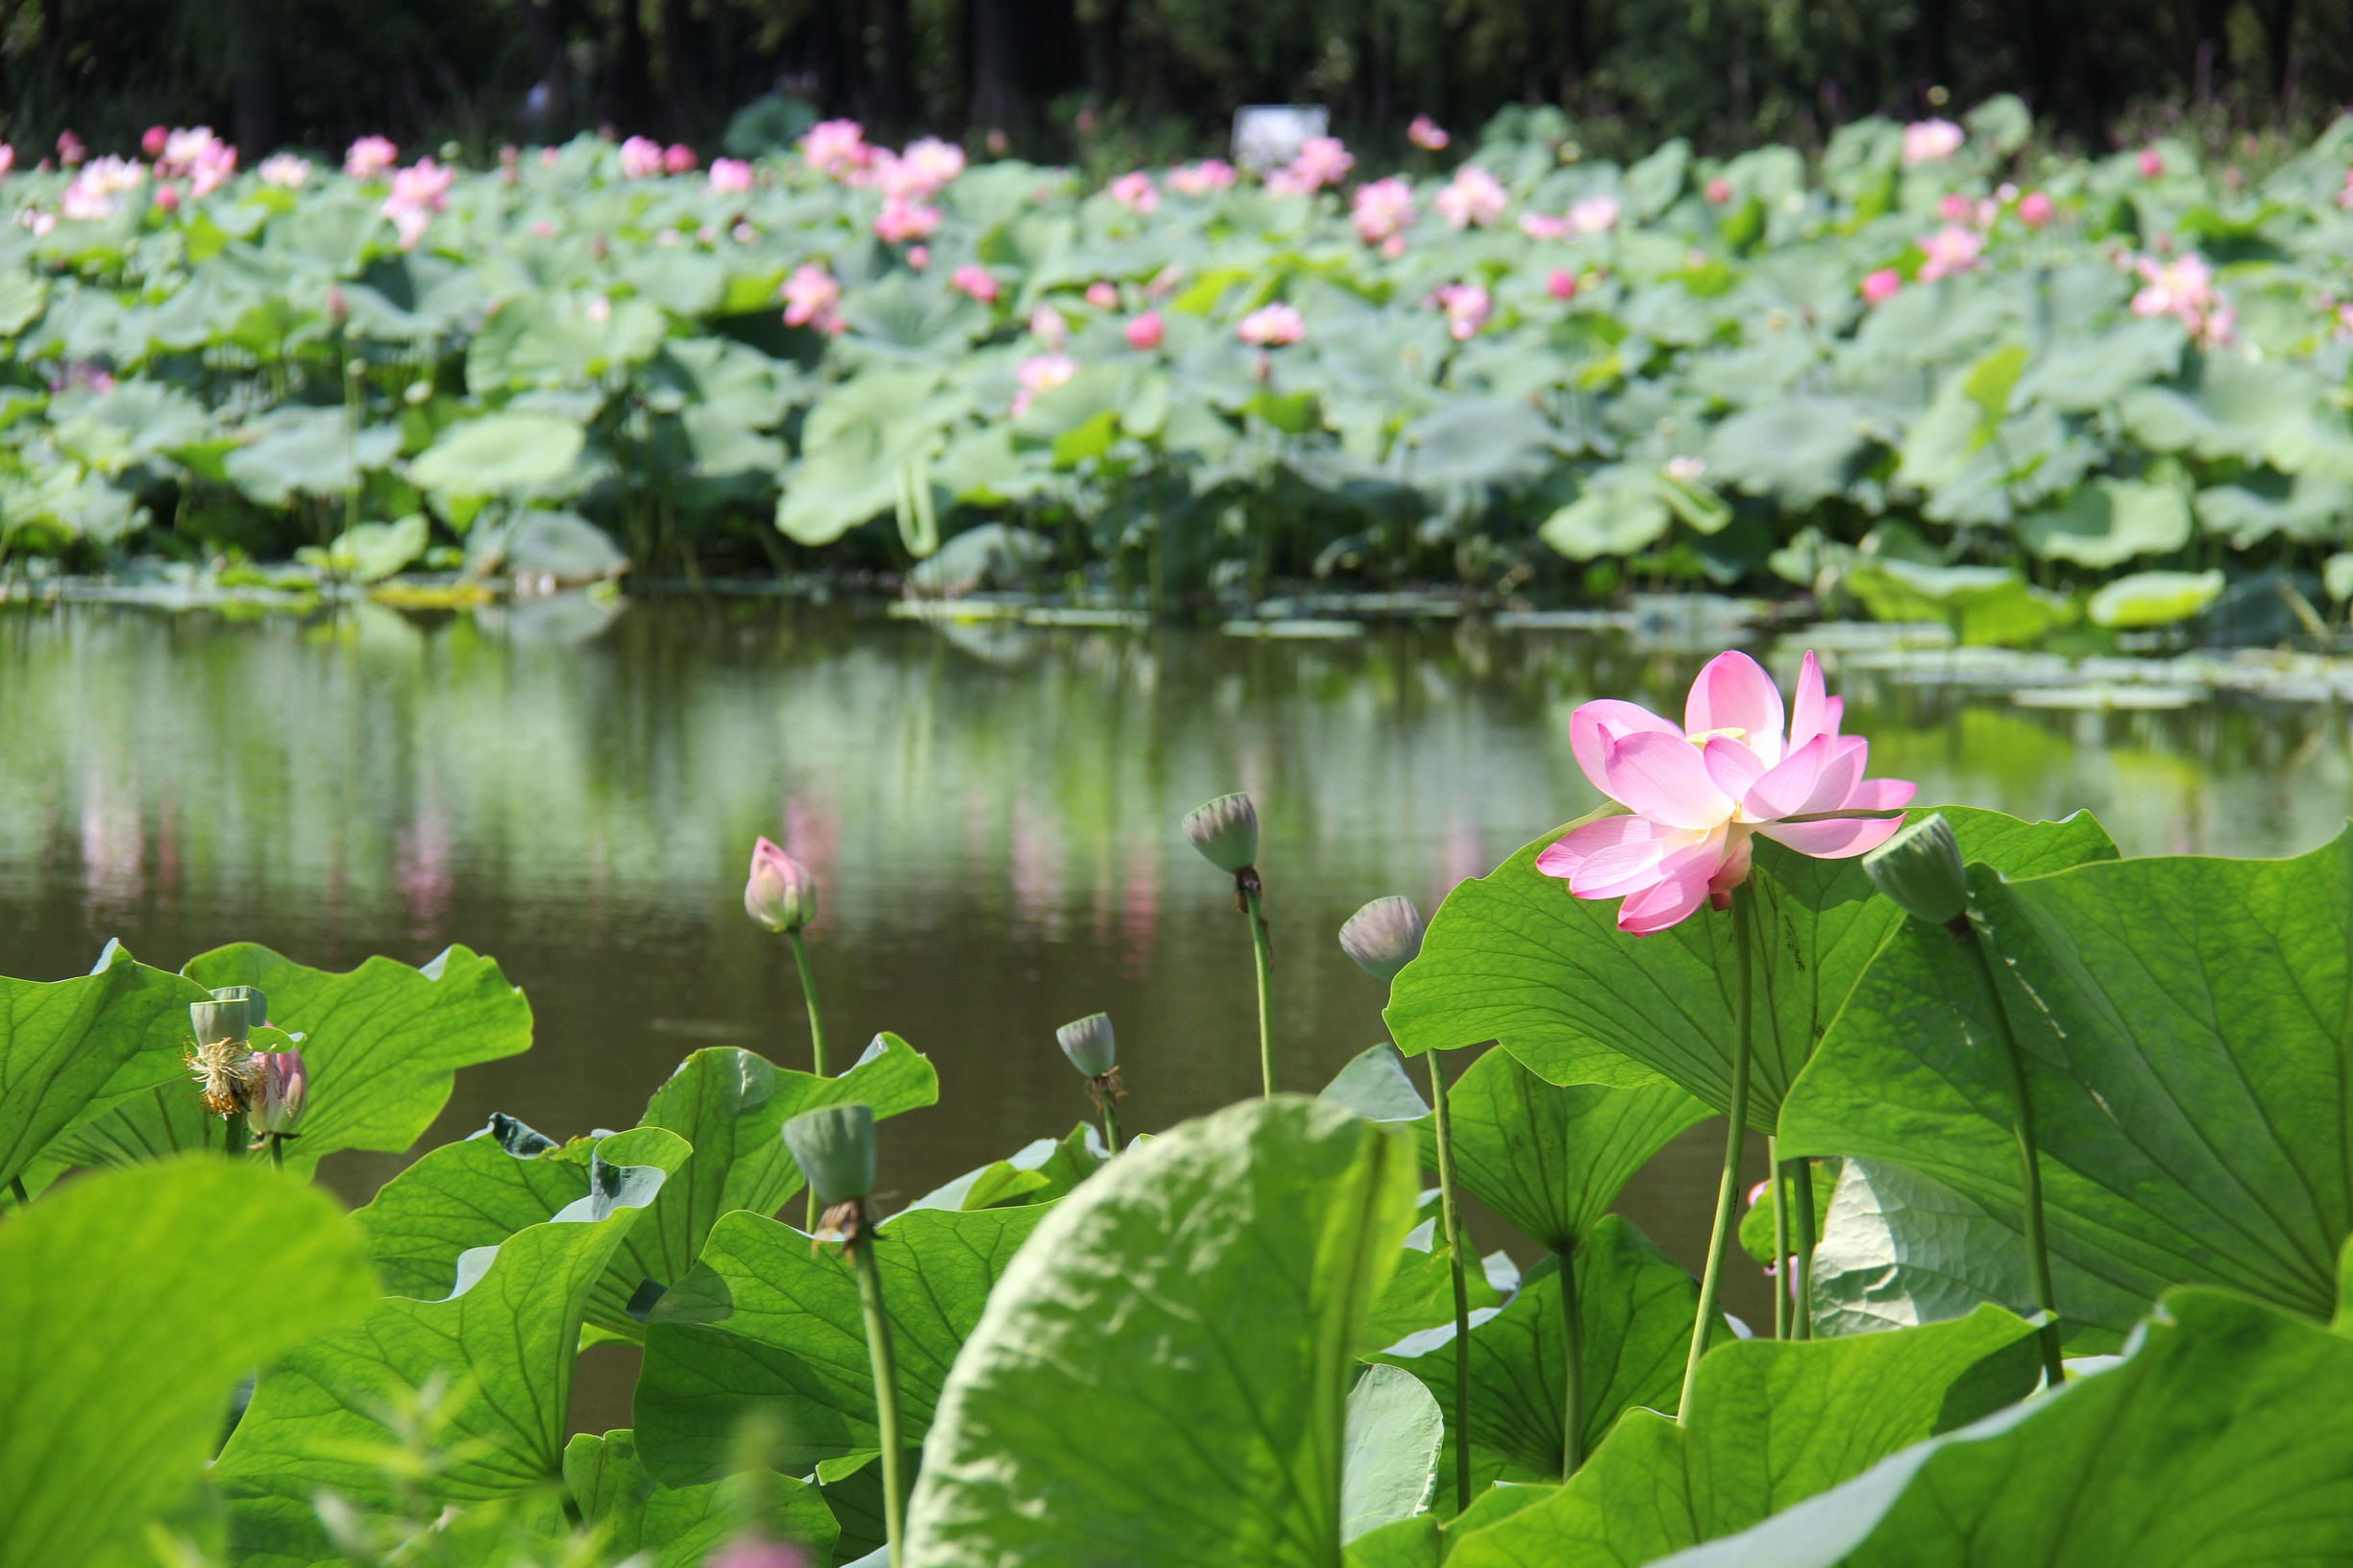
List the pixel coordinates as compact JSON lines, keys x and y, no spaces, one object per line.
{"x":418,"y":192}
{"x":1145,"y":331}
{"x":71,"y":150}
{"x":1467,"y":308}
{"x":976,"y":281}
{"x":901,"y":220}
{"x":779,"y":893}
{"x":287,"y":171}
{"x":1040,"y":373}
{"x":1272,"y":326}
{"x":1474,"y":199}
{"x":1595,"y":215}
{"x":1424,"y":133}
{"x":1699,"y":793}
{"x":836,"y":148}
{"x":1948,"y":251}
{"x":1880,"y":286}
{"x":1321,"y":161}
{"x":1380,"y":209}
{"x":2183,"y":286}
{"x":812,"y":298}
{"x":1931,"y":141}
{"x":641,"y":157}
{"x":2036,"y":210}
{"x":1103,"y":295}
{"x":1135,"y":191}
{"x":369,"y":157}
{"x":279,"y":1083}
{"x":730,"y":175}
{"x":1203,"y":178}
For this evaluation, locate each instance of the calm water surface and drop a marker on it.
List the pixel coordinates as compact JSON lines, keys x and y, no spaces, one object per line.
{"x":991,"y":811}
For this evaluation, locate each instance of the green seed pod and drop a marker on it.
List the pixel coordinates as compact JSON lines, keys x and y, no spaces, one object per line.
{"x":228,"y":1018}
{"x":1226,"y":832}
{"x":1383,"y":935}
{"x":256,"y":1002}
{"x":835,"y":1146}
{"x":1921,"y":869}
{"x":1089,"y":1044}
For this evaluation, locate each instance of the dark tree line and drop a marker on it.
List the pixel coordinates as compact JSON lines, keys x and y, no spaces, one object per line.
{"x":1144,"y":78}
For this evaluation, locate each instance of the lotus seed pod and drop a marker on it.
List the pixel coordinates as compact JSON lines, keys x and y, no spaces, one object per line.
{"x":835,"y":1146}
{"x":256,"y":1002}
{"x":1226,"y":832}
{"x":1089,"y":1044}
{"x":223,"y":1018}
{"x":780,"y":893}
{"x":1921,"y":869}
{"x":1383,"y":935}
{"x":282,"y":1083}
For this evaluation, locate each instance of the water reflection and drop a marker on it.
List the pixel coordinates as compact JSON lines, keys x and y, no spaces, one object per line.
{"x":992,"y":810}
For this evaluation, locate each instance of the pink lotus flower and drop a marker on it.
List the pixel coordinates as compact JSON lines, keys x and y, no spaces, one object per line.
{"x":2036,"y":210}
{"x":167,"y":198}
{"x":2152,"y":163}
{"x":286,"y":171}
{"x":1145,"y":331}
{"x":152,"y":143}
{"x":1561,"y":284}
{"x":837,"y":148}
{"x":2183,"y":288}
{"x":1954,"y":208}
{"x":418,"y":192}
{"x":1544,"y":225}
{"x":758,"y":1552}
{"x":1040,"y":373}
{"x":370,"y":156}
{"x":730,"y":175}
{"x":70,"y":149}
{"x":919,"y":256}
{"x":678,"y":159}
{"x":1272,"y":327}
{"x":1426,"y":133}
{"x":1467,"y":308}
{"x":812,"y":298}
{"x":280,"y":1083}
{"x":641,"y":157}
{"x":1203,"y":178}
{"x":1931,"y":141}
{"x":1594,"y":214}
{"x":1880,"y":286}
{"x":1474,"y":199}
{"x":1380,"y":209}
{"x":975,"y":281}
{"x":1102,"y":294}
{"x":8,"y":157}
{"x":1047,"y":326}
{"x":1322,"y":160}
{"x":1699,"y":793}
{"x":779,"y":892}
{"x":1718,"y":191}
{"x":901,"y":220}
{"x":1135,"y":191}
{"x":1948,"y":251}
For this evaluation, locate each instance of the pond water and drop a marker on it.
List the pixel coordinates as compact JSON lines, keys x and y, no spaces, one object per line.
{"x":992,"y":809}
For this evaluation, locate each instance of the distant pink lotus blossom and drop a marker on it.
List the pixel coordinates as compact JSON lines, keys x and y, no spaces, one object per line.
{"x":1467,"y":308}
{"x":71,"y":150}
{"x":2036,"y":210}
{"x":1103,"y":295}
{"x":1595,"y":215}
{"x":1145,"y":331}
{"x":919,"y":256}
{"x":542,"y":229}
{"x":1718,"y":191}
{"x":977,"y":282}
{"x":1880,"y":286}
{"x":813,"y":298}
{"x":286,"y":171}
{"x":1951,"y":250}
{"x":901,"y":220}
{"x":1380,"y":209}
{"x":1040,"y":373}
{"x":167,"y":198}
{"x":641,"y":157}
{"x":836,"y":148}
{"x":730,"y":175}
{"x":758,"y":1552}
{"x":1321,"y":161}
{"x":1203,"y":178}
{"x":153,"y":141}
{"x":1561,"y":284}
{"x":1931,"y":141}
{"x":1474,"y":199}
{"x":1272,"y":326}
{"x":2182,"y":286}
{"x":1698,"y":793}
{"x":92,"y":191}
{"x":8,"y":157}
{"x":1427,"y":134}
{"x":1135,"y":191}
{"x":418,"y":192}
{"x":369,"y":157}
{"x":1047,"y":326}
{"x":927,"y":167}
{"x":679,"y":158}
{"x":1544,"y":225}
{"x":1954,"y":208}
{"x":2153,"y":162}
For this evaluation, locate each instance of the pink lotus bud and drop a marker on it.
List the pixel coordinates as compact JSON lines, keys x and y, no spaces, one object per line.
{"x":542,"y":229}
{"x":1881,"y":285}
{"x":167,"y":198}
{"x":758,"y":1552}
{"x":780,"y":893}
{"x":280,"y":1082}
{"x":678,"y":159}
{"x":1426,"y":133}
{"x":1393,"y":247}
{"x":1561,"y":284}
{"x":1954,"y":208}
{"x":70,"y":149}
{"x":152,"y":143}
{"x":1145,"y":331}
{"x":1719,"y":191}
{"x":2152,"y":163}
{"x":1103,"y":296}
{"x":338,"y":308}
{"x":919,"y":256}
{"x":2035,"y":210}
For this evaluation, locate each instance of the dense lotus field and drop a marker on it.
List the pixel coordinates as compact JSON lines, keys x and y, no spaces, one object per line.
{"x":1926,"y":350}
{"x":2057,"y":1224}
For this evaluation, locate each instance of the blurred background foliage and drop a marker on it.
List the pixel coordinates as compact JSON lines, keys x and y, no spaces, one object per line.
{"x":1117,"y":82}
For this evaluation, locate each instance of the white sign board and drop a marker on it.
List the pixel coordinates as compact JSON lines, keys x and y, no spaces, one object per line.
{"x":1268,"y":136}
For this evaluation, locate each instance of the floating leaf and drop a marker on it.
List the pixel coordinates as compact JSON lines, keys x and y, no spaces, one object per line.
{"x":72,"y":1050}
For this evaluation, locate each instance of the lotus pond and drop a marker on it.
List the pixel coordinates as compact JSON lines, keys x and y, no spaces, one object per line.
{"x":1235,"y":1339}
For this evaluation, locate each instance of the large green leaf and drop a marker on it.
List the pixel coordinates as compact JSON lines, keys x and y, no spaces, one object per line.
{"x":502,"y":454}
{"x":381,"y":1041}
{"x":685,"y":1527}
{"x":2188,"y":1024}
{"x":1771,"y":1423}
{"x":130,"y":1305}
{"x":1551,"y":1160}
{"x":72,"y":1049}
{"x":2225,"y":1440}
{"x":507,"y":1335}
{"x":1394,"y":1435}
{"x":768,"y":1331}
{"x":1633,"y":1314}
{"x":1514,"y":957}
{"x":1163,"y":1374}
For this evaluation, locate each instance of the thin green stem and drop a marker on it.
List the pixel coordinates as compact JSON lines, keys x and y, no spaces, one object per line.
{"x":886,"y":1387}
{"x":1779,"y":1192}
{"x":1801,"y":1178}
{"x":1727,"y":1189}
{"x":1450,"y":1218}
{"x":1573,"y":1379}
{"x":228,"y":1137}
{"x":17,"y":1190}
{"x":817,"y":1039}
{"x":278,"y":1152}
{"x":1111,"y":1126}
{"x":2029,"y":1165}
{"x":1263,"y":957}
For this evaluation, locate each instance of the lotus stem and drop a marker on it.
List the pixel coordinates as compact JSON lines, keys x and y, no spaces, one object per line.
{"x":1778,"y":1192}
{"x":886,"y":1385}
{"x":1111,"y":1125}
{"x":1573,"y":1379}
{"x":278,"y":1151}
{"x":2029,"y":1163}
{"x":817,"y":1037}
{"x":1450,"y":1219}
{"x":1735,"y":1141}
{"x":1262,"y":956}
{"x":1801,"y":1309}
{"x":229,"y":1140}
{"x":17,"y":1190}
